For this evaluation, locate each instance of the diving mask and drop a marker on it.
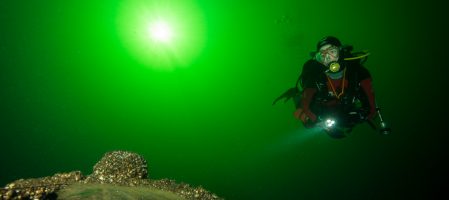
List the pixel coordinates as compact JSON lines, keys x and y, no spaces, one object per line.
{"x":328,"y":55}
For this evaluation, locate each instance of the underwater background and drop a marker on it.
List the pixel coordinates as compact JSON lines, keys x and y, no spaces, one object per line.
{"x":81,"y":78}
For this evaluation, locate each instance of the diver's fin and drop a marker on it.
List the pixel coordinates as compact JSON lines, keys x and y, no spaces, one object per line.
{"x":290,"y":93}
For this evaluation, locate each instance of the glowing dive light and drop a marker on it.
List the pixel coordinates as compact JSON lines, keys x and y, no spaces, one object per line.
{"x":329,"y":123}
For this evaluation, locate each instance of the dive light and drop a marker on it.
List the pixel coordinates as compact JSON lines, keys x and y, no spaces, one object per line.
{"x":384,"y":127}
{"x":329,"y":123}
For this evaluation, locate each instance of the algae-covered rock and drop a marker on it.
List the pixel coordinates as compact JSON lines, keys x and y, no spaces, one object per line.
{"x":118,"y":167}
{"x":118,"y":175}
{"x":111,"y":192}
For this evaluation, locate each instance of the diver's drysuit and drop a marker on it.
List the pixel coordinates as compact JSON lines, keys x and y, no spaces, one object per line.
{"x":326,"y":93}
{"x":335,"y":84}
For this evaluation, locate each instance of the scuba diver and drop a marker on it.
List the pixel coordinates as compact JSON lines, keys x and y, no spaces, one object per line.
{"x":337,"y":91}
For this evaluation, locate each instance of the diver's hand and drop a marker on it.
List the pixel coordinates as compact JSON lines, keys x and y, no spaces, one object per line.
{"x":304,"y":115}
{"x":371,"y":114}
{"x":367,"y":113}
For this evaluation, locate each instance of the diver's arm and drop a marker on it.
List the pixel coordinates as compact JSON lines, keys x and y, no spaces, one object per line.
{"x":367,"y":87}
{"x":304,"y":110}
{"x":310,"y":71}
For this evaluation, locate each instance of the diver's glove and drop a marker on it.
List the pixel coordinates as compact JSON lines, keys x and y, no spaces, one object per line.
{"x":306,"y":116}
{"x":360,"y":115}
{"x":372,"y":114}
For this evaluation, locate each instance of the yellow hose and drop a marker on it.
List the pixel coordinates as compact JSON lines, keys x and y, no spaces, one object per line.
{"x":358,"y":57}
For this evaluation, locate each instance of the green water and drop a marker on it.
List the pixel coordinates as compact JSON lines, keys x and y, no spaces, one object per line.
{"x":77,"y":80}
